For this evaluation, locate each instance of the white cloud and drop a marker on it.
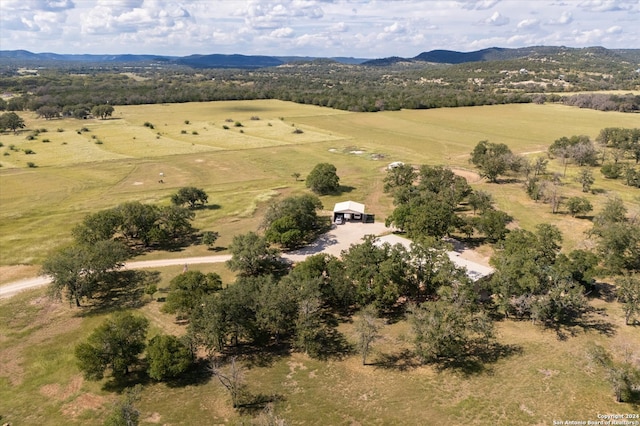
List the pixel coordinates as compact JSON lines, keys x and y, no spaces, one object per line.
{"x":282,"y":32}
{"x":497,"y":19}
{"x":564,"y":19}
{"x":528,"y":24}
{"x":616,"y":29}
{"x":363,"y":28}
{"x":478,"y":4}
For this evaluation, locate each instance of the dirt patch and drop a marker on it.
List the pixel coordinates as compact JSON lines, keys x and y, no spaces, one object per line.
{"x":55,"y":391}
{"x":153,"y":418}
{"x":469,"y":175}
{"x":86,"y":401}
{"x":16,"y":272}
{"x":10,"y":365}
{"x":137,"y":183}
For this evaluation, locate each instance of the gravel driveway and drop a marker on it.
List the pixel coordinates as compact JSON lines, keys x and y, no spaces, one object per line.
{"x":341,"y":237}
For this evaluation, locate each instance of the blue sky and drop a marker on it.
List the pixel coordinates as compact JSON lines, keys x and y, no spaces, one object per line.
{"x":358,"y":28}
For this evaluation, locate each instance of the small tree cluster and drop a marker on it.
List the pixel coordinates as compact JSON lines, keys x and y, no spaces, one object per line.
{"x":293,"y":221}
{"x":494,"y":159}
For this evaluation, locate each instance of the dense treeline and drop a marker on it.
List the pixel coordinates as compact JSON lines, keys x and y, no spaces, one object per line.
{"x":321,"y":82}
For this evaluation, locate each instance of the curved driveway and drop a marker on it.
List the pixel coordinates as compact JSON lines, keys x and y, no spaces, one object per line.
{"x":333,"y":242}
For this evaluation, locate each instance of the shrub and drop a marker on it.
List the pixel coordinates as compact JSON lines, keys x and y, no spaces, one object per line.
{"x":229,"y":120}
{"x":6,"y":153}
{"x":98,"y":142}
{"x":225,"y":127}
{"x":42,"y":130}
{"x":1,"y":144}
{"x":186,"y":122}
{"x":149,"y":125}
{"x":237,"y":124}
{"x":60,"y":130}
{"x":28,"y":151}
{"x":183,"y":132}
{"x":85,"y":129}
{"x":297,"y":131}
{"x":31,"y":137}
{"x":611,"y":170}
{"x":194,"y":133}
{"x":255,"y":117}
{"x":46,"y":140}
{"x":31,"y":165}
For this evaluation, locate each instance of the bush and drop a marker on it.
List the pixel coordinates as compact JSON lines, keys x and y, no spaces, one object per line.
{"x":194,"y":133}
{"x":225,"y":127}
{"x":168,"y":357}
{"x":186,"y":122}
{"x":29,"y":151}
{"x":98,"y":142}
{"x":31,"y":165}
{"x":149,"y":125}
{"x":31,"y":137}
{"x":237,"y":124}
{"x":611,"y":171}
{"x":60,"y":130}
{"x":183,"y":132}
{"x":297,"y":131}
{"x":46,"y":140}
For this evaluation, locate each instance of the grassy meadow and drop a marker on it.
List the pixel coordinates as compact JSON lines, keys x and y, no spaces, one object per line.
{"x":543,"y":376}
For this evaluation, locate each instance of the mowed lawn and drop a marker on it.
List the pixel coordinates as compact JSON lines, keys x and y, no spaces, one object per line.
{"x":242,"y":167}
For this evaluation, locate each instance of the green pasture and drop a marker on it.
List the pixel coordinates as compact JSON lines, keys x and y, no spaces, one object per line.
{"x":243,"y":167}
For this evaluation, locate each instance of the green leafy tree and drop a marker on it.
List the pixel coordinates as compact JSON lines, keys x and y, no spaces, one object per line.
{"x":209,"y":238}
{"x":494,"y":159}
{"x":79,"y":269}
{"x":99,"y":226}
{"x":11,"y":121}
{"x":167,"y":357}
{"x":102,"y":111}
{"x":480,"y":201}
{"x":629,"y":295}
{"x":443,"y":331}
{"x":323,"y":179}
{"x":293,"y":221}
{"x":399,"y":177}
{"x":578,"y":206}
{"x":618,"y":237}
{"x":137,"y":220}
{"x":187,"y":290}
{"x":378,"y":273}
{"x":251,"y":255}
{"x":277,"y":308}
{"x":586,"y":179}
{"x":191,"y":196}
{"x":114,"y":345}
{"x":623,"y":375}
{"x":493,"y":224}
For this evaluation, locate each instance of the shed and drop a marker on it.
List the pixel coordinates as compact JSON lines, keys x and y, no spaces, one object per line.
{"x":349,"y":211}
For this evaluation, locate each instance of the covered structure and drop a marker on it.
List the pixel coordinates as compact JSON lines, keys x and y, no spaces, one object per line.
{"x":349,"y":211}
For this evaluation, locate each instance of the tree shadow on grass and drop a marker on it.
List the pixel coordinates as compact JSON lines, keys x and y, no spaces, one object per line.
{"x":401,"y":361}
{"x":477,"y":359}
{"x":592,"y":320}
{"x":259,"y":356}
{"x":197,"y":375}
{"x":252,"y":404}
{"x":121,"y":290}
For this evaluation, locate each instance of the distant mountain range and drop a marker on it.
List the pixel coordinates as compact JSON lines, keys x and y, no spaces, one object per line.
{"x":258,"y":61}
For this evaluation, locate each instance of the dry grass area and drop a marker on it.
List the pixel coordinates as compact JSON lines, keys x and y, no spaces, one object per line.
{"x":540,"y":375}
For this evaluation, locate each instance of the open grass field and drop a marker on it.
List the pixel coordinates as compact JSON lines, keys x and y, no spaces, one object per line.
{"x":541,"y":377}
{"x":242,"y":167}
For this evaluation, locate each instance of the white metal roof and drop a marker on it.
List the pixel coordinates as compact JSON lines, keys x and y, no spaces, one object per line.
{"x":348,"y":207}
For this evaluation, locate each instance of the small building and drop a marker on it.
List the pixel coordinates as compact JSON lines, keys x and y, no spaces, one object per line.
{"x":395,"y":165}
{"x":349,"y":211}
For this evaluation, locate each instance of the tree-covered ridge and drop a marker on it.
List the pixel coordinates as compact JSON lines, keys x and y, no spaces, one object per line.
{"x":329,"y":83}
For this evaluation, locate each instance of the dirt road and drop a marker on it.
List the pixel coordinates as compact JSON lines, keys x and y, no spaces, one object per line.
{"x":333,"y":242}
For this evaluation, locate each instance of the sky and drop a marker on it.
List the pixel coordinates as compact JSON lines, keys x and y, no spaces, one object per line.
{"x":320,"y":28}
